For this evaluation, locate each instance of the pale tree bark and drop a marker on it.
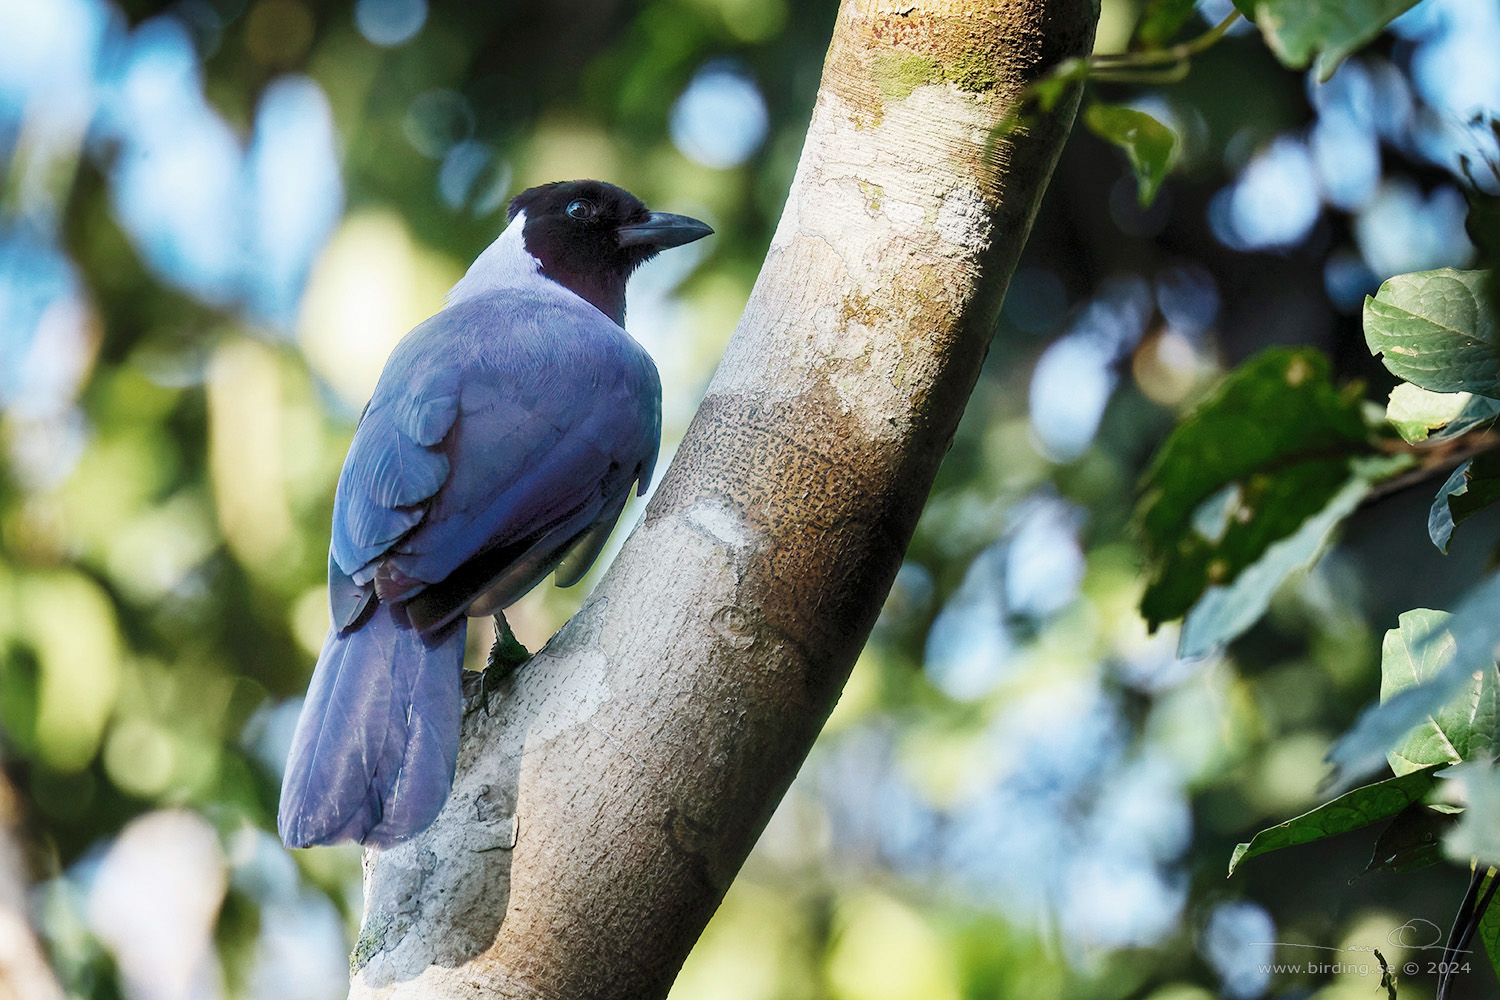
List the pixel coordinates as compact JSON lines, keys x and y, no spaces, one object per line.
{"x":24,"y":973}
{"x":602,"y":809}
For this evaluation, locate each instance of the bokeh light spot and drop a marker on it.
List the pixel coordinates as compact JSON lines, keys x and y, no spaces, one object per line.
{"x":1273,"y":204}
{"x":474,"y":176}
{"x":297,"y":195}
{"x":140,"y":757}
{"x":1401,"y":231}
{"x":389,"y":23}
{"x":1188,"y":297}
{"x":371,"y":286}
{"x":154,"y":902}
{"x":437,"y":121}
{"x":70,"y":623}
{"x":1348,"y":279}
{"x":1238,"y":943}
{"x":1044,"y":562}
{"x":969,"y":647}
{"x":245,"y":452}
{"x":1076,"y":375}
{"x":1168,"y":366}
{"x":568,"y":147}
{"x":720,"y":120}
{"x":884,"y":951}
{"x":310,"y":619}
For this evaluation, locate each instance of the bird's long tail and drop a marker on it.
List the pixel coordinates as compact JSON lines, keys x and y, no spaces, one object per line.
{"x":372,"y":758}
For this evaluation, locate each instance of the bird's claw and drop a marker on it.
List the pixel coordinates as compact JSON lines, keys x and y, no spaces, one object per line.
{"x":506,"y":656}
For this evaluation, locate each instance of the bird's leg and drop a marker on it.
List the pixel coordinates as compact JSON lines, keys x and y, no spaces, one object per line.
{"x":505,"y":656}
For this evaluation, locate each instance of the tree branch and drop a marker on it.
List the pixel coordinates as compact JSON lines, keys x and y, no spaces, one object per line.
{"x":601,"y":812}
{"x":24,"y":973}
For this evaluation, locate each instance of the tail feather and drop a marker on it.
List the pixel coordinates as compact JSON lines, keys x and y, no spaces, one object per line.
{"x":373,"y":755}
{"x":417,"y":772}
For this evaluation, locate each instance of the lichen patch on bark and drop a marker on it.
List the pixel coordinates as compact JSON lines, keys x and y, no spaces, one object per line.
{"x":897,"y":74}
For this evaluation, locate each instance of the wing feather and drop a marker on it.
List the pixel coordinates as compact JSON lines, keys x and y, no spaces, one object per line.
{"x":498,"y":426}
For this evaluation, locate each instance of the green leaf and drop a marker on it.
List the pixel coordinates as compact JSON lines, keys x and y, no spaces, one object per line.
{"x":1150,"y":146}
{"x":1162,"y":21}
{"x":1423,"y":415}
{"x":1056,"y":85}
{"x":1414,"y":839}
{"x":1300,"y":31}
{"x":1419,"y":650}
{"x":1475,"y":631}
{"x":1434,"y":329}
{"x":1271,"y":448}
{"x":1472,"y":487}
{"x":1350,"y":811}
{"x":1223,"y":612}
{"x":1489,"y":932}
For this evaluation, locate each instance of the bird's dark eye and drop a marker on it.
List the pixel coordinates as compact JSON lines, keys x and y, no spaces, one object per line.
{"x":581,"y":209}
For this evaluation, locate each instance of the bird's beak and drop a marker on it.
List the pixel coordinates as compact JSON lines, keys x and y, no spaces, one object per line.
{"x":662,"y":231}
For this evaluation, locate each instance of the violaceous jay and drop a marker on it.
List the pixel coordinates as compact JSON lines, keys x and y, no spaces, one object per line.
{"x":501,"y":443}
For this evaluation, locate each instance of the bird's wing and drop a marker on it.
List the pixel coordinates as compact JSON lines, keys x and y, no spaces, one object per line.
{"x":556,"y":413}
{"x":396,"y":463}
{"x":548,"y":442}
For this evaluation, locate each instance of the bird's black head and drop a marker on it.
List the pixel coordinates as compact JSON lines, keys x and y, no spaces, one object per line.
{"x":590,"y":236}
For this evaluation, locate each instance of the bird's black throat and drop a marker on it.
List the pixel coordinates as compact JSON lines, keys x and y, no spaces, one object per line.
{"x":604,"y":291}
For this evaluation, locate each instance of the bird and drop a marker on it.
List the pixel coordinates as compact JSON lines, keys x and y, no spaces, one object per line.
{"x":501,"y":443}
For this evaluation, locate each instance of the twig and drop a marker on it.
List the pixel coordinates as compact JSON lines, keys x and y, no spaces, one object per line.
{"x":1176,"y":53}
{"x":1432,"y":460}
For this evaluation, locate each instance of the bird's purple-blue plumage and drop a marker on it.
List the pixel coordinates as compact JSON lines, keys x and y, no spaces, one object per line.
{"x":375,"y":748}
{"x":503,"y":438}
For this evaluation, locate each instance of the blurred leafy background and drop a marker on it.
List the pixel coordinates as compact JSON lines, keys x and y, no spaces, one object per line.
{"x":217,"y":217}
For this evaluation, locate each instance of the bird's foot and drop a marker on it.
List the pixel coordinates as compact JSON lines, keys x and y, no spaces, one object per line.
{"x":506,"y":655}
